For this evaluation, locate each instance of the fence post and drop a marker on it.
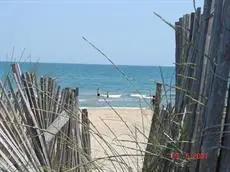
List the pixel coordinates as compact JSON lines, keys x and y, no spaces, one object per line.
{"x":86,"y":143}
{"x":149,"y":159}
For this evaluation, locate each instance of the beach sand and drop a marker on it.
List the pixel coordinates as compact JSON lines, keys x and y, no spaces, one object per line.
{"x":119,"y":138}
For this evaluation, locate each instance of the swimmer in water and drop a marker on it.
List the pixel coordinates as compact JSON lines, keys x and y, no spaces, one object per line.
{"x":98,"y":93}
{"x":153,"y":100}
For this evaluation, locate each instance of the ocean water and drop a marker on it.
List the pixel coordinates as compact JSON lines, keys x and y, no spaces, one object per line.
{"x":134,"y":90}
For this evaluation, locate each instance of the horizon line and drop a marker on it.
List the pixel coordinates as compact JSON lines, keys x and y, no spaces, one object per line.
{"x":88,"y":63}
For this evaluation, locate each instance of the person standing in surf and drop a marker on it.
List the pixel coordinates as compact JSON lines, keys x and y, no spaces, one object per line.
{"x":98,"y":92}
{"x":153,"y":100}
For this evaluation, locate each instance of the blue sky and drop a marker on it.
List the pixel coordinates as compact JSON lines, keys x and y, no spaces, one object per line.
{"x":127,"y":31}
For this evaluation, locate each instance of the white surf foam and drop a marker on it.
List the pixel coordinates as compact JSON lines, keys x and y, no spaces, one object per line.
{"x":147,"y":97}
{"x":137,"y":95}
{"x":103,"y":95}
{"x":111,"y":96}
{"x":115,"y":96}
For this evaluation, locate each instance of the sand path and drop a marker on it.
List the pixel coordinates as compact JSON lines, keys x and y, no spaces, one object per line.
{"x":124,"y":137}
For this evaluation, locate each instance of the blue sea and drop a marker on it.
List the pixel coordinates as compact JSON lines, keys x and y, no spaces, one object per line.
{"x":134,"y":90}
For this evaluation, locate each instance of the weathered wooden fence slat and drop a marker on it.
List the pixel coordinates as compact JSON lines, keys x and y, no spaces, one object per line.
{"x":200,"y":121}
{"x":40,"y":127}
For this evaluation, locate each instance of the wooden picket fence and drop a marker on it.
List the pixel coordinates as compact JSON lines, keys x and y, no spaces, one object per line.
{"x":200,"y":120}
{"x":41,"y":126}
